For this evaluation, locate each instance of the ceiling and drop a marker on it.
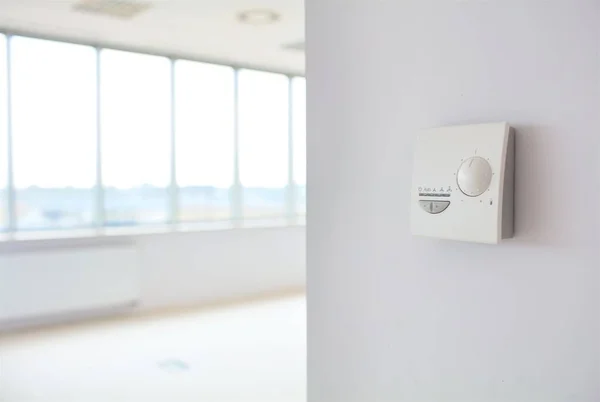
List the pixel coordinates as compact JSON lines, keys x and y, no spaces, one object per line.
{"x":201,"y":29}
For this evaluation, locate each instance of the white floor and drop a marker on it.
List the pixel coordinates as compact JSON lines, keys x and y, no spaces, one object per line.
{"x":251,"y":353}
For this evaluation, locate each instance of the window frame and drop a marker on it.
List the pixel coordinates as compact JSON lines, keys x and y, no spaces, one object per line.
{"x":275,"y":80}
{"x":71,"y":62}
{"x":178,"y":188}
{"x":120,"y":61}
{"x":290,"y":216}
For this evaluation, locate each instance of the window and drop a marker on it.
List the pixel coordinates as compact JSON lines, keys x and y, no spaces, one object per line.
{"x":53,"y":95}
{"x":299,"y":139}
{"x":180,"y":141}
{"x":3,"y":137}
{"x":135,"y":120}
{"x":204,"y":133}
{"x":263,"y":142}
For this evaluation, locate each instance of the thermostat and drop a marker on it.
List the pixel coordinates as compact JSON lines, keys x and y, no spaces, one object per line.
{"x":463,"y":183}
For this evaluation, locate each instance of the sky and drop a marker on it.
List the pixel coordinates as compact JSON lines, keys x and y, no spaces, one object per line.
{"x":54,"y":120}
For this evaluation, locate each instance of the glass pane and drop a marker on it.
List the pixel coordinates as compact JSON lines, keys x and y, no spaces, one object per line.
{"x":299,"y":137}
{"x":135,"y":118}
{"x":204,"y":112}
{"x":3,"y":138}
{"x":54,"y":133}
{"x":263,"y":136}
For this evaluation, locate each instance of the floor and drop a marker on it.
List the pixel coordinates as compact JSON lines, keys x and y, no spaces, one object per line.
{"x":250,"y":353}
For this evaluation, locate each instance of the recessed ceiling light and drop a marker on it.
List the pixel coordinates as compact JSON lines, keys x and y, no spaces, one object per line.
{"x":173,"y":365}
{"x":259,"y":17}
{"x":123,"y":9}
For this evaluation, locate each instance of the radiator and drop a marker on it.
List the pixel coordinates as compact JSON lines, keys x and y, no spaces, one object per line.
{"x":54,"y":278}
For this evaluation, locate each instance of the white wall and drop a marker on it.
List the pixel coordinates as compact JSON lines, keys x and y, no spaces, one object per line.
{"x":397,"y":318}
{"x":175,"y":270}
{"x":200,"y":267}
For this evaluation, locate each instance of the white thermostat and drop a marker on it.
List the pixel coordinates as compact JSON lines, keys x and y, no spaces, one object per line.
{"x":463,"y":183}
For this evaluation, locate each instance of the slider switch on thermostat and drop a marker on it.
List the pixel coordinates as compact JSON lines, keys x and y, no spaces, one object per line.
{"x":434,"y":207}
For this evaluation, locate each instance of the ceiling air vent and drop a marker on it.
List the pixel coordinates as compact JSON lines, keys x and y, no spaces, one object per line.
{"x":298,"y":46}
{"x":121,"y":9}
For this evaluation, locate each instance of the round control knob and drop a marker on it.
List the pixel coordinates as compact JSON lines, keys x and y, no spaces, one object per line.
{"x":474,"y":176}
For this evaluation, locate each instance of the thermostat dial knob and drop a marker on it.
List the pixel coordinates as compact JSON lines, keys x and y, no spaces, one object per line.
{"x":474,"y":176}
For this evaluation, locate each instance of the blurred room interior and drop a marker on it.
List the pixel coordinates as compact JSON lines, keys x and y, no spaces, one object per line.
{"x":152,"y":200}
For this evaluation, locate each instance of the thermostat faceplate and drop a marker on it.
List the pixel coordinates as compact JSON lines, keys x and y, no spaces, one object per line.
{"x":463,"y":183}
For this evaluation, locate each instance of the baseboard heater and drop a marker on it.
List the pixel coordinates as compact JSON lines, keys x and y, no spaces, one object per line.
{"x":60,"y":280}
